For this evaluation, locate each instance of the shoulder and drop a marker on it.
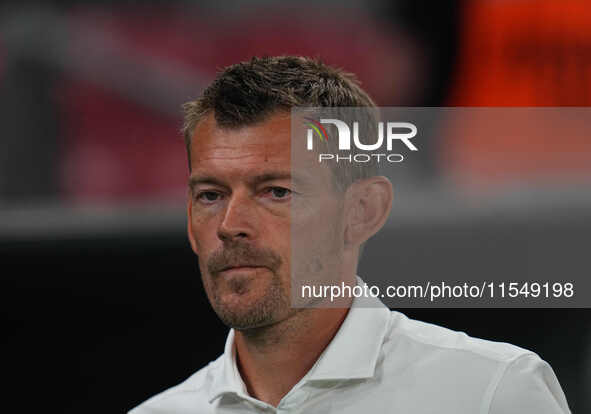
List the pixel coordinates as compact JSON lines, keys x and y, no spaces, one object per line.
{"x":193,"y":392}
{"x":508,"y":378}
{"x":528,"y":382}
{"x":427,"y":337}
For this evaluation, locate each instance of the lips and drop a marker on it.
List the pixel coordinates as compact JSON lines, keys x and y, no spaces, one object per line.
{"x":242,"y":256}
{"x":241,"y":267}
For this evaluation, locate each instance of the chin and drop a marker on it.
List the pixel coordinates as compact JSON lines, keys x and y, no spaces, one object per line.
{"x":250,"y":310}
{"x":243,"y":320}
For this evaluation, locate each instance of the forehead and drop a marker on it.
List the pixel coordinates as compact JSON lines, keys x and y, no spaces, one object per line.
{"x":255,"y":150}
{"x":268,"y":141}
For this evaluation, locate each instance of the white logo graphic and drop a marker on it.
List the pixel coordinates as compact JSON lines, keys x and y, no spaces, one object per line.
{"x":389,"y":131}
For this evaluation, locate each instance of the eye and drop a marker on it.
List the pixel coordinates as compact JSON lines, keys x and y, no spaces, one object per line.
{"x":208,"y":197}
{"x":278,"y":193}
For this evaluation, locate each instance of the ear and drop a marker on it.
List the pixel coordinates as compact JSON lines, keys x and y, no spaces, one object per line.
{"x":367,"y":207}
{"x":190,"y":225}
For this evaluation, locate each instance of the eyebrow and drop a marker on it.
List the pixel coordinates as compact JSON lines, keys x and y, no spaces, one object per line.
{"x":195,"y":180}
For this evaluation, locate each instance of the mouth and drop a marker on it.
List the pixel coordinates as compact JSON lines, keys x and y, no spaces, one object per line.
{"x":241,"y":269}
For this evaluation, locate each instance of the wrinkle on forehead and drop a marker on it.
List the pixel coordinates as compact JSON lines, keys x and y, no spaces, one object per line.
{"x":269,"y":141}
{"x":253,"y":150}
{"x":224,"y":156}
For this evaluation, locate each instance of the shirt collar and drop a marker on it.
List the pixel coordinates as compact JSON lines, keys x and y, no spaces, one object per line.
{"x":226,"y":377}
{"x":352,"y":353}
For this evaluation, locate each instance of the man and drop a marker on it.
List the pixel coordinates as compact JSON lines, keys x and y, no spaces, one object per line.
{"x":249,"y":207}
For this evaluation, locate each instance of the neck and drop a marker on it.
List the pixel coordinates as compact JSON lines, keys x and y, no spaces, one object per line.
{"x":272,"y":359}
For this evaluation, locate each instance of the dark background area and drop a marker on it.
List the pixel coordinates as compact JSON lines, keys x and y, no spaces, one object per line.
{"x":102,"y":305}
{"x":99,"y":325}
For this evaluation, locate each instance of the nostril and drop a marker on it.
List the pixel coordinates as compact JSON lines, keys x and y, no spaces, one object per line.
{"x":228,"y":235}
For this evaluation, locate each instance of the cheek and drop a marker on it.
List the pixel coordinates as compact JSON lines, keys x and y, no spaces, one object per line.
{"x":204,"y":232}
{"x":317,"y":244}
{"x":322,"y":222}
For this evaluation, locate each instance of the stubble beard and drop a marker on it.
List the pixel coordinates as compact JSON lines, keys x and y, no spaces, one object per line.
{"x":267,"y":308}
{"x":264,"y":310}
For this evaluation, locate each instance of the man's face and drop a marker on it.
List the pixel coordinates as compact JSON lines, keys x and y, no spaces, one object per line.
{"x":244,"y":207}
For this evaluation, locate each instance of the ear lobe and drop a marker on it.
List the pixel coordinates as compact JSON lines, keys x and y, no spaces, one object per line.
{"x":190,"y":226}
{"x":369,"y":204}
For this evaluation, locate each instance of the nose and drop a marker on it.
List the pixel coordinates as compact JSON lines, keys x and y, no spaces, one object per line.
{"x":239,"y":218}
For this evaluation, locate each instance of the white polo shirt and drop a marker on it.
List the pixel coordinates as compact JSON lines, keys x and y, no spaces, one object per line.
{"x":383,"y":362}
